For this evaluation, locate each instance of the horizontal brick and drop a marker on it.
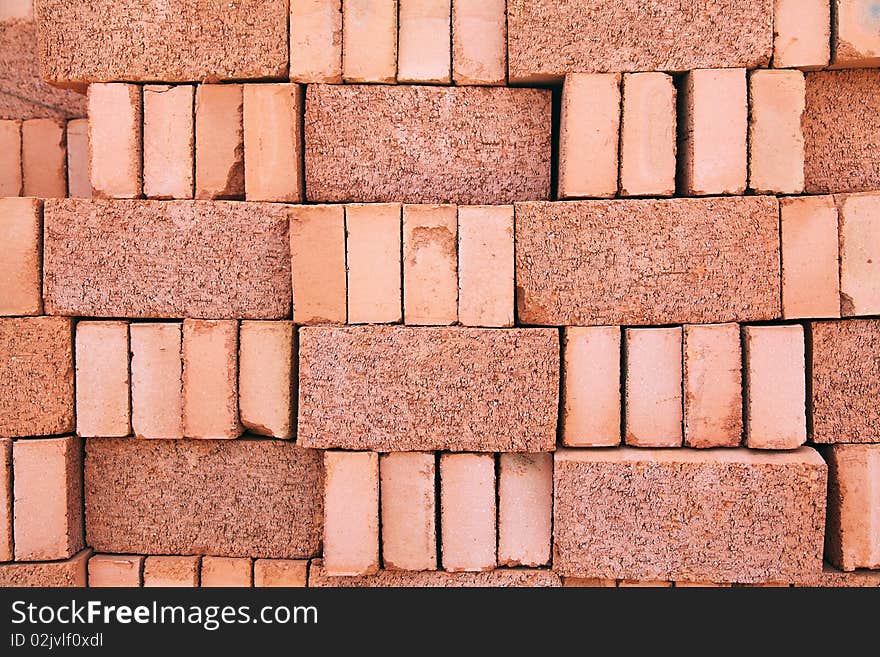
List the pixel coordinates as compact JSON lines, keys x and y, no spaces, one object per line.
{"x":316,"y":41}
{"x":641,"y":262}
{"x":21,"y":222}
{"x":280,"y":573}
{"x":166,"y":259}
{"x":187,"y":41}
{"x":726,"y":515}
{"x":351,"y":512}
{"x":171,"y":572}
{"x":369,"y":40}
{"x":479,"y":42}
{"x":54,"y":574}
{"x":116,"y":570}
{"x":501,"y":577}
{"x":467,"y":145}
{"x":227,"y":498}
{"x":856,"y":38}
{"x":410,"y":389}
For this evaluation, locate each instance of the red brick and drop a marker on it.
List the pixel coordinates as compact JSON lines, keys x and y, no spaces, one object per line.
{"x":79,"y":185}
{"x":525,"y":509}
{"x":645,"y":262}
{"x":317,"y":252}
{"x":156,"y":380}
{"x":44,"y":158}
{"x":266,"y":381}
{"x":832,"y":577}
{"x":351,"y":512}
{"x":430,"y":264}
{"x":479,"y":42}
{"x":316,"y":41}
{"x":103,"y":387}
{"x":5,"y":499}
{"x":273,"y":168}
{"x":860,"y":255}
{"x":427,"y":144}
{"x":169,"y":141}
{"x":280,"y":572}
{"x":226,"y":571}
{"x":588,"y":582}
{"x":485,"y":265}
{"x":653,"y":387}
{"x":166,"y":259}
{"x":48,"y":505}
{"x":17,"y":10}
{"x":467,"y":512}
{"x":726,"y":515}
{"x":501,"y":577}
{"x":369,"y":40}
{"x":68,"y":573}
{"x":647,"y":139}
{"x":10,"y":158}
{"x":223,"y":497}
{"x":409,"y":532}
{"x":171,"y":572}
{"x":36,"y":367}
{"x":424,"y":41}
{"x":220,"y":141}
{"x":20,"y":272}
{"x":210,"y":379}
{"x":856,"y":38}
{"x":373,"y":259}
{"x":776,"y":140}
{"x":644,"y":585}
{"x":115,"y":570}
{"x":802,"y":33}
{"x":420,"y":389}
{"x":115,"y":140}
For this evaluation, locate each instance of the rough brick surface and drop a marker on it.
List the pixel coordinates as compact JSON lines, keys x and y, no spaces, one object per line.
{"x":351,"y":512}
{"x":10,"y":158}
{"x":421,"y":144}
{"x":708,"y":515}
{"x":405,"y":389}
{"x":266,"y":378}
{"x":172,"y":571}
{"x":502,"y":577}
{"x":859,"y":254}
{"x":5,"y":499}
{"x":280,"y":572}
{"x":116,"y":570}
{"x":227,"y":498}
{"x":69,"y":573}
{"x":316,"y":41}
{"x":479,"y":42}
{"x":647,"y":261}
{"x":43,"y":158}
{"x":21,"y":268}
{"x":166,"y":259}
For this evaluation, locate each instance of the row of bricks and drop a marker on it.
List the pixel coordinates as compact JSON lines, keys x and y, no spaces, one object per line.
{"x":46,"y":158}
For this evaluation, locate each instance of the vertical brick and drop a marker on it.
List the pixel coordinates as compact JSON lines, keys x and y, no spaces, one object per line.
{"x":10,"y":158}
{"x":430,"y":264}
{"x":219,"y":141}
{"x":852,"y":539}
{"x":21,"y":268}
{"x":860,"y":255}
{"x":102,"y":379}
{"x":78,"y":183}
{"x":712,"y":386}
{"x":266,"y":381}
{"x":647,"y":139}
{"x":115,"y":141}
{"x":316,"y":41}
{"x":591,"y":386}
{"x":653,"y":387}
{"x":210,"y":379}
{"x":351,"y":512}
{"x":479,"y":42}
{"x":776,"y":139}
{"x":44,"y":158}
{"x":373,"y":252}
{"x":369,"y":40}
{"x":156,"y":380}
{"x":802,"y":33}
{"x":775,"y":385}
{"x":6,"y":553}
{"x":280,"y":572}
{"x":424,"y":41}
{"x":485,"y":265}
{"x":171,"y":572}
{"x":467,"y":511}
{"x":856,"y":38}
{"x":169,"y":141}
{"x":273,"y":166}
{"x":712,"y":128}
{"x":409,"y":532}
{"x":810,"y":264}
{"x":589,"y":135}
{"x":317,"y":263}
{"x":226,"y":571}
{"x":115,"y":570}
{"x":48,"y":505}
{"x":525,"y":509}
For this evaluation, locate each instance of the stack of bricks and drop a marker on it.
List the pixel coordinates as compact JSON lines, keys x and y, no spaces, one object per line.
{"x":477,"y":293}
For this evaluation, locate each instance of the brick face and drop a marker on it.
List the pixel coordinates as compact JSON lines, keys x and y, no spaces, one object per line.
{"x":68,"y":573}
{"x":21,"y":269}
{"x":501,"y":577}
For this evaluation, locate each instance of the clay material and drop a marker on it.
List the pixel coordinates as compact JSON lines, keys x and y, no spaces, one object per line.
{"x":409,"y":533}
{"x":316,"y":41}
{"x":116,"y":140}
{"x":79,"y":184}
{"x":171,"y":572}
{"x":156,"y":380}
{"x":44,"y":158}
{"x":525,"y":509}
{"x":856,"y":38}
{"x":648,"y":134}
{"x":21,"y":269}
{"x":485,"y":265}
{"x":210,"y":379}
{"x":5,"y":499}
{"x":802,"y":33}
{"x":115,"y":570}
{"x":776,"y":139}
{"x":369,"y":40}
{"x":859,"y":254}
{"x":273,"y":168}
{"x":169,"y":141}
{"x":479,"y":42}
{"x":424,"y":41}
{"x":226,"y":571}
{"x":317,"y":252}
{"x":653,"y":387}
{"x":502,"y":577}
{"x":430,"y":264}
{"x":280,"y":572}
{"x":10,"y":158}
{"x":220,"y":141}
{"x":55,"y":574}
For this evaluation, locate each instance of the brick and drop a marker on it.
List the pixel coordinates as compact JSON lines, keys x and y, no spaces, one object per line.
{"x":55,"y":574}
{"x":465,"y":145}
{"x":501,"y":577}
{"x":115,"y":570}
{"x":210,"y":379}
{"x":103,"y":383}
{"x":485,"y":265}
{"x":171,"y":572}
{"x":802,"y":33}
{"x":712,"y":131}
{"x":589,"y":135}
{"x":160,"y":259}
{"x":43,"y":158}
{"x":430,"y":264}
{"x":5,"y":500}
{"x":832,"y":577}
{"x":369,"y":40}
{"x":776,"y":140}
{"x":860,"y":255}
{"x":810,"y":262}
{"x":280,"y":572}
{"x":220,"y":141}
{"x":588,"y":582}
{"x":594,"y":263}
{"x":10,"y":158}
{"x":623,"y":584}
{"x":188,"y":41}
{"x":856,"y":39}
{"x":851,"y":537}
{"x":20,"y":272}
{"x":479,"y":42}
{"x":775,"y":387}
{"x":169,"y":141}
{"x":79,"y":184}
{"x":373,"y":258}
{"x":17,"y":10}
{"x":222,"y":497}
{"x":409,"y":532}
{"x":36,"y":367}
{"x":647,"y":135}
{"x":156,"y":380}
{"x":317,"y":252}
{"x":712,"y":386}
{"x":726,"y":515}
{"x":842,"y":131}
{"x":591,"y":386}
{"x":425,"y":389}
{"x":700,"y":585}
{"x":226,"y":571}
{"x":551,"y":37}
{"x":351,"y":512}
{"x":48,"y":504}
{"x":525,"y":509}
{"x":316,"y":41}
{"x":424,"y":41}
{"x":653,"y":387}
{"x":467,"y":512}
{"x":273,"y":168}
{"x":266,"y":381}
{"x":116,"y":140}
{"x":845,"y":381}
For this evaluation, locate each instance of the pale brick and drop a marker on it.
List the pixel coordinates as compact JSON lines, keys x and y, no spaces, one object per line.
{"x":409,"y":532}
{"x":220,"y":141}
{"x":653,"y":387}
{"x":647,"y":135}
{"x":6,"y":553}
{"x":351,"y":512}
{"x":373,"y":259}
{"x":776,"y":139}
{"x":856,"y":39}
{"x":44,"y":158}
{"x":115,"y":140}
{"x":317,"y":252}
{"x":280,"y":573}
{"x":467,"y":512}
{"x":273,"y":168}
{"x":210,"y":379}
{"x":500,"y":577}
{"x":860,"y":255}
{"x":485,"y":265}
{"x":169,"y":141}
{"x":10,"y":158}
{"x":369,"y":40}
{"x":103,"y":388}
{"x":525,"y":509}
{"x":156,"y":380}
{"x":316,"y":41}
{"x":430,"y":264}
{"x":21,"y":226}
{"x":424,"y":41}
{"x":266,"y":381}
{"x":479,"y":42}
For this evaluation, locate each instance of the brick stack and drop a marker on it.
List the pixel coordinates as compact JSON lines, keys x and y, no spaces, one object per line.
{"x":476,"y":293}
